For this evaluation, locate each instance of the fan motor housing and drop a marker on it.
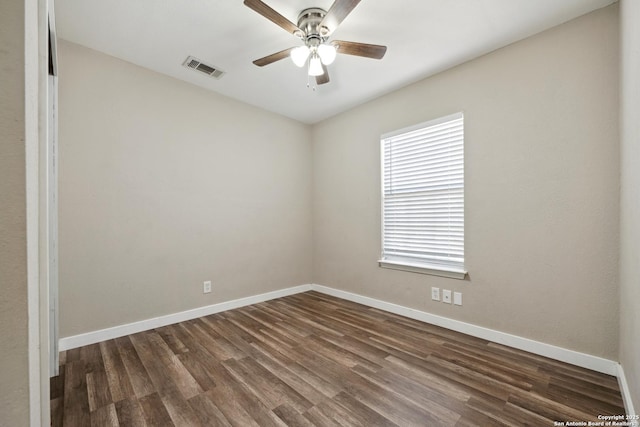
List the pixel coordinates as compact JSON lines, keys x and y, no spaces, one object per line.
{"x":309,"y":22}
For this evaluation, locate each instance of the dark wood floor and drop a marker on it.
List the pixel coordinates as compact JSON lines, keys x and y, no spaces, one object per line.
{"x":311,"y":359}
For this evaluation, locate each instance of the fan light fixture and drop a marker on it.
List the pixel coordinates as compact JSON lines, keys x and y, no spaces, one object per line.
{"x":315,"y":66}
{"x":323,"y":54}
{"x":314,"y":28}
{"x":299,"y":55}
{"x":327,"y":53}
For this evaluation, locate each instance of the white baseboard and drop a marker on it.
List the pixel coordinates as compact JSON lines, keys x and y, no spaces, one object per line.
{"x":626,"y":393}
{"x":88,"y":338}
{"x":558,"y":353}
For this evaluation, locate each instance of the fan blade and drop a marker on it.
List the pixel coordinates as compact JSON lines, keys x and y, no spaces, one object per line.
{"x":272,"y":15}
{"x":336,"y":14}
{"x":273,"y":57}
{"x":373,"y":51}
{"x":323,"y":78}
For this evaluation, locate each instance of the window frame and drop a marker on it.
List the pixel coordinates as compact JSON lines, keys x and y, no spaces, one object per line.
{"x":449,"y":271}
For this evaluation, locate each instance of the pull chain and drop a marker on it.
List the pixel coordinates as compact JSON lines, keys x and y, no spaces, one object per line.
{"x":313,"y":88}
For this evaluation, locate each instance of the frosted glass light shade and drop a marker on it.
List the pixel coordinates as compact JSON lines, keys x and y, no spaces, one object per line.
{"x":327,"y":53}
{"x":299,"y":55}
{"x":315,"y":66}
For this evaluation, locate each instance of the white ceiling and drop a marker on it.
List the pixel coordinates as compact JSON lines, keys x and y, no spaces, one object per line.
{"x":423,"y":38}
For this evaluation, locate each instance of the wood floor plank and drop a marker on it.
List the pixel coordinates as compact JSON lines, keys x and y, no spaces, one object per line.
{"x":523,"y":416}
{"x":494,"y":409}
{"x":362,"y":349}
{"x":285,"y":374}
{"x":339,"y":414}
{"x":392,"y":406}
{"x":589,"y":390}
{"x":577,"y":377}
{"x":92,"y":357}
{"x":154,"y":411}
{"x":291,"y":417}
{"x":119,"y":384}
{"x":257,"y":315}
{"x":174,"y":343}
{"x":76,"y":399}
{"x":197,"y":371}
{"x":474,"y":379}
{"x":416,"y":393}
{"x":205,"y":339}
{"x":473,"y":418}
{"x":105,"y":416}
{"x":580,"y":401}
{"x":318,"y":418}
{"x":549,"y":408}
{"x":496,"y":371}
{"x":490,"y":355}
{"x":179,"y":410}
{"x":130,"y":413}
{"x":98,"y":389}
{"x":232,"y":409}
{"x":267,"y":307}
{"x":307,"y":323}
{"x":208,"y":412}
{"x":320,"y":382}
{"x":56,"y":384}
{"x":313,"y":359}
{"x":273,"y":390}
{"x":235,"y":336}
{"x":361,"y":413}
{"x":254,"y":404}
{"x":283,"y":329}
{"x":165,"y":370}
{"x":195,"y":346}
{"x":137,"y":374}
{"x":442,"y":384}
{"x":72,"y":355}
{"x":339,"y":354}
{"x":57,"y":411}
{"x":182,"y":378}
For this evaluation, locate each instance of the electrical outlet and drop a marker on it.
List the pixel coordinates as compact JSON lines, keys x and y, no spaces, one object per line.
{"x":206,"y":287}
{"x":457,"y":298}
{"x":446,"y":296}
{"x":435,"y":294}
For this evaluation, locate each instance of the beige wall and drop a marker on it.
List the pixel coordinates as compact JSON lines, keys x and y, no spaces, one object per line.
{"x":14,"y":376}
{"x":630,"y":197}
{"x":541,"y":197}
{"x":164,"y":185}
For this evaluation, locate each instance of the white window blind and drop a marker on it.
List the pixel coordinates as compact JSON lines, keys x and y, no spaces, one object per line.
{"x":423,"y":195}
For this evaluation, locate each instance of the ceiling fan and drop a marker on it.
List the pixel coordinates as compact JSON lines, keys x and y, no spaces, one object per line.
{"x":315,"y":26}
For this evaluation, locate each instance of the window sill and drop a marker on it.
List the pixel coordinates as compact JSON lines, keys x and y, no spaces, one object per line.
{"x":424,"y":269}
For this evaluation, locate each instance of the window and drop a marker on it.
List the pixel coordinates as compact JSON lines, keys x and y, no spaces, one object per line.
{"x":423,"y":198}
